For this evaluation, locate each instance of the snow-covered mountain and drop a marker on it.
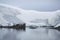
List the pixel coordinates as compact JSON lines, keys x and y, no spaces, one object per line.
{"x":10,"y":14}
{"x":32,"y":17}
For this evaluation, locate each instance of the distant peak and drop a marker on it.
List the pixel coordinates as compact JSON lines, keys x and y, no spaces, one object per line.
{"x":10,"y":6}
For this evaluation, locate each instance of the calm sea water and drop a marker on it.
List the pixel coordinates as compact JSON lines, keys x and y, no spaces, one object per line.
{"x":29,"y":34}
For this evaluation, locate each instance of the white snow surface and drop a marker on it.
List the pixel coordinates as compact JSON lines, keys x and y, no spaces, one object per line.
{"x":11,"y":14}
{"x":8,"y":15}
{"x":31,"y":17}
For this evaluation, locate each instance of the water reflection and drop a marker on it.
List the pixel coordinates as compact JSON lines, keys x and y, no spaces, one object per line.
{"x":29,"y":34}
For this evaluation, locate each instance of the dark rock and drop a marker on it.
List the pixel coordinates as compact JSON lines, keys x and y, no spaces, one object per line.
{"x":16,"y":26}
{"x":33,"y":27}
{"x":57,"y":28}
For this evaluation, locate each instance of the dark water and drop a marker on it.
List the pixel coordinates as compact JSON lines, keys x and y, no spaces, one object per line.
{"x":29,"y":34}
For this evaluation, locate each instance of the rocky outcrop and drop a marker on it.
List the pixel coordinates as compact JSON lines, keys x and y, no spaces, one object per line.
{"x":15,"y":26}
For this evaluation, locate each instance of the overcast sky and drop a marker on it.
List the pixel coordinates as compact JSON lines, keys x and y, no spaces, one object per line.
{"x":40,"y":5}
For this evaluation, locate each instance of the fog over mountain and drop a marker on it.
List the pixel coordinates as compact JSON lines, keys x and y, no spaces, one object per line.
{"x":10,"y":14}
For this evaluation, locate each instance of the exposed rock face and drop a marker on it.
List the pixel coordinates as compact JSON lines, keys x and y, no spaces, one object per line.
{"x":20,"y":26}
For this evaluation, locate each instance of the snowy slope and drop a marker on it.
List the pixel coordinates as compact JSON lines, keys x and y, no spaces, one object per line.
{"x":32,"y":17}
{"x":8,"y":15}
